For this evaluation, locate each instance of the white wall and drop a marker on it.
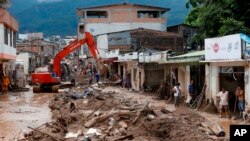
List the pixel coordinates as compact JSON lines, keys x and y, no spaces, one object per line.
{"x":24,"y":57}
{"x":128,"y":56}
{"x":102,"y":45}
{"x":247,"y":85}
{"x":102,"y":28}
{"x":23,"y":36}
{"x":1,"y":37}
{"x":182,"y":79}
{"x":153,"y":58}
{"x":112,"y":53}
{"x":6,"y":49}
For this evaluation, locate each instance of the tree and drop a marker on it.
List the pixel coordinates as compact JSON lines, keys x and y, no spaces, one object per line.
{"x":219,"y":17}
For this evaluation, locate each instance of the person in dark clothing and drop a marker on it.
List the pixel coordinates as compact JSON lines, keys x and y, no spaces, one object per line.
{"x":191,"y":91}
{"x":128,"y":81}
{"x":162,"y":90}
{"x":97,"y":76}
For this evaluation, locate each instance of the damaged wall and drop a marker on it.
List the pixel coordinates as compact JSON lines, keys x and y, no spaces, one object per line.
{"x":136,"y":71}
{"x":154,"y":74}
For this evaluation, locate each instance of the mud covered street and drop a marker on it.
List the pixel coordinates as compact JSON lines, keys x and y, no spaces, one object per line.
{"x":21,"y":109}
{"x":114,"y":113}
{"x":104,"y":113}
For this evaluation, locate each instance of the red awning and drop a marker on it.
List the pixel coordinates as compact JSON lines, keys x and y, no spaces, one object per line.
{"x":109,"y":60}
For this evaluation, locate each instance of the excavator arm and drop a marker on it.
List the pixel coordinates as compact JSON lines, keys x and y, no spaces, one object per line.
{"x":72,"y":47}
{"x":46,"y":81}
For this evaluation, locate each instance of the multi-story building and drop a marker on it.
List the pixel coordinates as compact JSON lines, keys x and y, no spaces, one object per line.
{"x":30,"y":36}
{"x":8,"y":29}
{"x":43,"y":49}
{"x":187,"y":31}
{"x":119,"y":17}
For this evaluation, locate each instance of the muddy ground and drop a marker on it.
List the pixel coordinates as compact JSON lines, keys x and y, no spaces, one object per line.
{"x":118,"y":114}
{"x":19,"y":109}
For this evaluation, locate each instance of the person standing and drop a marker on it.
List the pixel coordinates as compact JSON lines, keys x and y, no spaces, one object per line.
{"x":223,"y":98}
{"x":162,"y":90}
{"x":177,"y":94}
{"x":89,"y":73}
{"x":97,"y":76}
{"x":5,"y":84}
{"x":191,"y":91}
{"x":241,"y":100}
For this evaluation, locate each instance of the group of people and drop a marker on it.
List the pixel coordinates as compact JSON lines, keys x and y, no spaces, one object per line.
{"x":91,"y":73}
{"x":223,"y":97}
{"x":176,"y":92}
{"x":124,"y":82}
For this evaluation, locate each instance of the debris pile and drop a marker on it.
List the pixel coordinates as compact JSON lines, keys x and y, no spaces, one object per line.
{"x":99,"y":115}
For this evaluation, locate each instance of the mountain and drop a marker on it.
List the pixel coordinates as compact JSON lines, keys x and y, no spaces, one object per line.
{"x":58,"y":17}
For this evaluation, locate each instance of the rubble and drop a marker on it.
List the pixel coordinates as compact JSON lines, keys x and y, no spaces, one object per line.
{"x":107,"y":115}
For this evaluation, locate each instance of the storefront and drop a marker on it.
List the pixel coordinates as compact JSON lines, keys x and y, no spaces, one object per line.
{"x":184,"y":68}
{"x":228,"y":66}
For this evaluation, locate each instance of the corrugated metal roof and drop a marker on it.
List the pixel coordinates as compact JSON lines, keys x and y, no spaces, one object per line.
{"x":190,"y":54}
{"x":191,"y":57}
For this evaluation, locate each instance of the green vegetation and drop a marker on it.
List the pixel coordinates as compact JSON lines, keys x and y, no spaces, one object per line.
{"x":219,"y":17}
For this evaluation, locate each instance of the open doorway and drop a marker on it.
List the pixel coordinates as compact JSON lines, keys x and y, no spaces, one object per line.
{"x":197,"y":74}
{"x":230,"y":78}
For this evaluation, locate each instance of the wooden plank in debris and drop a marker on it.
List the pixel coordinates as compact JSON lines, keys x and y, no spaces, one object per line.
{"x":44,"y":134}
{"x":98,"y":119}
{"x":130,"y":136}
{"x":138,"y":114}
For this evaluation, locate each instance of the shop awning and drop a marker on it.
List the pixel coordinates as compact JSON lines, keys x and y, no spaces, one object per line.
{"x":245,"y":37}
{"x":109,"y":60}
{"x":221,"y":61}
{"x":125,"y":60}
{"x":191,"y":57}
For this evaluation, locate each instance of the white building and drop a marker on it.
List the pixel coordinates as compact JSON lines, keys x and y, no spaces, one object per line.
{"x":8,"y":29}
{"x":228,"y":59}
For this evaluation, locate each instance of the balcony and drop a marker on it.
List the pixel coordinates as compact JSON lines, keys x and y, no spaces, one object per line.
{"x":155,"y":57}
{"x":128,"y":56}
{"x":112,"y":53}
{"x":6,"y":18}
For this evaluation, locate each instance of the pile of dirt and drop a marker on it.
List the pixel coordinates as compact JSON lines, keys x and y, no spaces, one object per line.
{"x":110,"y":116}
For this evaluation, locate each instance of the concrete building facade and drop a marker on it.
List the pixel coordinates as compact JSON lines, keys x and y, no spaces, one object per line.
{"x":42,"y":49}
{"x":119,"y":17}
{"x":8,"y":30}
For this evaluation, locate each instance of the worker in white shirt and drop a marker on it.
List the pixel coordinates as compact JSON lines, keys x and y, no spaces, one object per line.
{"x":223,"y":98}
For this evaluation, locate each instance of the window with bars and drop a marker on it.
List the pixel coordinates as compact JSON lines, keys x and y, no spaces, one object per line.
{"x":6,"y":32}
{"x":14,"y":39}
{"x":11,"y":38}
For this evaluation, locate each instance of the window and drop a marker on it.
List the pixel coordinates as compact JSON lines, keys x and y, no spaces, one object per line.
{"x":11,"y":38}
{"x":148,"y":14}
{"x":97,"y":14}
{"x":42,"y":48}
{"x":6,"y":32}
{"x":14,"y":39}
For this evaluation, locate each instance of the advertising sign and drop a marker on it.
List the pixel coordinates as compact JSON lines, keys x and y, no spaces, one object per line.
{"x":223,"y":48}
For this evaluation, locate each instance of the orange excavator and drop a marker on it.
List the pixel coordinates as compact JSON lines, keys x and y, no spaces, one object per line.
{"x":51,"y":80}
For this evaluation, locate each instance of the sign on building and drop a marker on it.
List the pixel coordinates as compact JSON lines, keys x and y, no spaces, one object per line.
{"x":223,"y":48}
